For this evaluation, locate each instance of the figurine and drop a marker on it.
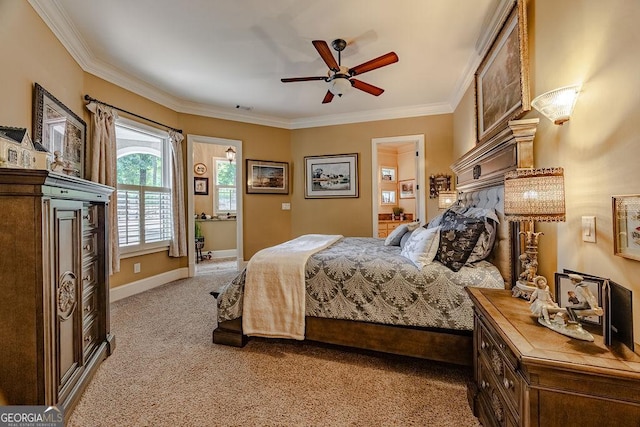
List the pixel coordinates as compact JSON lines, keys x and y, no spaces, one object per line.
{"x":541,"y":300}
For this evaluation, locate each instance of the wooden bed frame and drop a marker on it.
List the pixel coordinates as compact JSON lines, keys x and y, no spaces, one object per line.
{"x":480,"y":183}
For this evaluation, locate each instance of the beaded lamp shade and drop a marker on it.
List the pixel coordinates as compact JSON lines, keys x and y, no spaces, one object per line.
{"x":534,"y":195}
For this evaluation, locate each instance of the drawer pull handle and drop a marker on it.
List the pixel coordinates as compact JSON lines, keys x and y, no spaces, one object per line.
{"x":483,"y":345}
{"x":87,"y":217}
{"x":86,"y":247}
{"x":502,"y":346}
{"x":484,"y":385}
{"x":508,"y":384}
{"x":87,"y":338}
{"x":86,"y":278}
{"x":88,"y":309}
{"x":64,"y":191}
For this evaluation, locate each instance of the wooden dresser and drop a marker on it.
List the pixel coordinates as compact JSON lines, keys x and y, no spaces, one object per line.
{"x":54,"y":282}
{"x":385,"y":227}
{"x":528,"y":375}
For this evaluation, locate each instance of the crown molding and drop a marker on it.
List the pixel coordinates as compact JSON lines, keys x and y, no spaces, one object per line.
{"x":56,"y":19}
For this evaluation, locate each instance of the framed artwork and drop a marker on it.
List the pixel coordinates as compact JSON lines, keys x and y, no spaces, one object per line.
{"x":566,"y":294}
{"x":266,"y":177}
{"x":626,"y":226}
{"x":438,"y":183}
{"x":201,"y":186}
{"x":59,"y":130}
{"x":407,"y":189}
{"x":387,"y":174}
{"x":388,"y":197}
{"x":502,"y":79}
{"x":200,"y":168}
{"x":331,"y":176}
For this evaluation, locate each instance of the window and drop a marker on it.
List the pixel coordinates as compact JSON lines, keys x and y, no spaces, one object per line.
{"x":225,"y":186}
{"x":144,"y":187}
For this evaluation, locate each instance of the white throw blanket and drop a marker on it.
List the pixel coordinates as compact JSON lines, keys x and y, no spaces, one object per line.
{"x":274,"y":290}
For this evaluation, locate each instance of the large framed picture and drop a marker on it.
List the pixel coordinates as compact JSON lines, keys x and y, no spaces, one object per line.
{"x":502,"y":79}
{"x":626,"y":226}
{"x":567,"y":296}
{"x":331,"y":176}
{"x":59,"y":130}
{"x":266,"y":177}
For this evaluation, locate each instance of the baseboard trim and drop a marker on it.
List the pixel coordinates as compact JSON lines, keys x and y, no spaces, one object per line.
{"x":133,"y":288}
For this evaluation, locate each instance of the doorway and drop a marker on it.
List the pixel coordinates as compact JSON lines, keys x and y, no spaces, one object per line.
{"x":404,"y":180}
{"x":201,"y":176}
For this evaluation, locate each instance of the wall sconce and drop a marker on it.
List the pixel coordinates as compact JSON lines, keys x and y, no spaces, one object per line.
{"x":231,"y":154}
{"x":557,"y":105}
{"x":446,"y":199}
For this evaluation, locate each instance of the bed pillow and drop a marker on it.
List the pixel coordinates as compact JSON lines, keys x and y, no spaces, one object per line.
{"x":405,"y":239}
{"x":393,"y":239}
{"x":487,"y":239}
{"x":458,"y":236}
{"x":422,"y":246}
{"x":437,"y":220}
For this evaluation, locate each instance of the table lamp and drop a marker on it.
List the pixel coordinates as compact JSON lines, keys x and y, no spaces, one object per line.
{"x":532,"y":195}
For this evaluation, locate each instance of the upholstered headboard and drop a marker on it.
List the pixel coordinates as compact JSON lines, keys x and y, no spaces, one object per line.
{"x":480,"y":183}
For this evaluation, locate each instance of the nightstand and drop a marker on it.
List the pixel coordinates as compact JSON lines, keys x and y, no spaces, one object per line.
{"x":528,"y":375}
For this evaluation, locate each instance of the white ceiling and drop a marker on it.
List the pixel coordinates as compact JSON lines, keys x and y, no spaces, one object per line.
{"x":208,"y":56}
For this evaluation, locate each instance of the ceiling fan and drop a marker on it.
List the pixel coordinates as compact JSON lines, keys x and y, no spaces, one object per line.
{"x":339,"y":77}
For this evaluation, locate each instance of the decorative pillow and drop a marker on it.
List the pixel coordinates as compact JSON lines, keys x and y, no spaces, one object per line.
{"x":458,"y":236}
{"x":393,"y":239}
{"x":422,"y":246}
{"x":437,"y":220}
{"x":487,"y":239}
{"x":405,"y":239}
{"x":413,"y":225}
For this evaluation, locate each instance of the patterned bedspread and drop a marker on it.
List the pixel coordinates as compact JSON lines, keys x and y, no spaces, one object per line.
{"x":358,"y":278}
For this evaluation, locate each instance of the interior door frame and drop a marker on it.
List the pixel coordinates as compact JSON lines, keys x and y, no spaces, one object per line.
{"x":191,"y":235}
{"x":421,"y":205}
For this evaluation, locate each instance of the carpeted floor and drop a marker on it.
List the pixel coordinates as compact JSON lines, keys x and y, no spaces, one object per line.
{"x":165,"y":371}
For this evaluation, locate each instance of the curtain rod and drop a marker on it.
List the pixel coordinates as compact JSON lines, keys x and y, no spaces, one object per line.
{"x":90,"y":99}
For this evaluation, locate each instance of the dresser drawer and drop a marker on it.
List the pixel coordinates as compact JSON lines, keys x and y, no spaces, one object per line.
{"x":494,"y":410}
{"x":89,"y":246}
{"x":489,"y":341}
{"x":90,"y":304}
{"x":90,"y":336}
{"x":89,"y":217}
{"x":90,"y":274}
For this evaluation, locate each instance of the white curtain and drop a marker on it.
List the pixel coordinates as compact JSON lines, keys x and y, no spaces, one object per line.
{"x":178,"y":245}
{"x":103,"y":169}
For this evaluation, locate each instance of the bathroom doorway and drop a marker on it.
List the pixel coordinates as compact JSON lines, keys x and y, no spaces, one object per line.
{"x":214,"y":203}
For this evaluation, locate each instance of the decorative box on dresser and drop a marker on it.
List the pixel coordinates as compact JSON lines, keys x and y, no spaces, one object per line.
{"x":528,"y":375}
{"x":54,"y":282}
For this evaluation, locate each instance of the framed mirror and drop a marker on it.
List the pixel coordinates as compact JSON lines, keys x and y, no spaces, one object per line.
{"x":59,"y":130}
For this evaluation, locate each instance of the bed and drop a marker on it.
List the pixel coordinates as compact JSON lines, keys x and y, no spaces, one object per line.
{"x":361,"y":293}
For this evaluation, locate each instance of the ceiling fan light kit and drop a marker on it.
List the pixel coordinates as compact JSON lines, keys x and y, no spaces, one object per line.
{"x":340,"y":78}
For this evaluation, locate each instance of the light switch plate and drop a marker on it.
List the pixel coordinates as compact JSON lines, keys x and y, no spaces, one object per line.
{"x":286,"y":206}
{"x":589,"y":229}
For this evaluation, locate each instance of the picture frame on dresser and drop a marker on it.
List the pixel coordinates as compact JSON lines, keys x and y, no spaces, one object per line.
{"x":58,"y":129}
{"x":565,"y":294}
{"x":502,"y":78}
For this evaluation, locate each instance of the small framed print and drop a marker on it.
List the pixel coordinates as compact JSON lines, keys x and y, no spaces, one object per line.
{"x":201,"y":186}
{"x":388,"y":197}
{"x":408,"y":189}
{"x":626,"y":226}
{"x":388,"y":174}
{"x":567,"y":296}
{"x":200,"y":168}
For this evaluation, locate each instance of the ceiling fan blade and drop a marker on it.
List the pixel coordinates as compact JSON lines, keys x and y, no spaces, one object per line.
{"x":302,"y":79}
{"x":366,"y":87}
{"x":328,"y":97}
{"x":325,"y":53}
{"x":378,"y":62}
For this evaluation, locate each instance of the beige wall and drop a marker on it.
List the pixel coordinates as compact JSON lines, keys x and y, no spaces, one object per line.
{"x":352,"y":216}
{"x":597,"y":44}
